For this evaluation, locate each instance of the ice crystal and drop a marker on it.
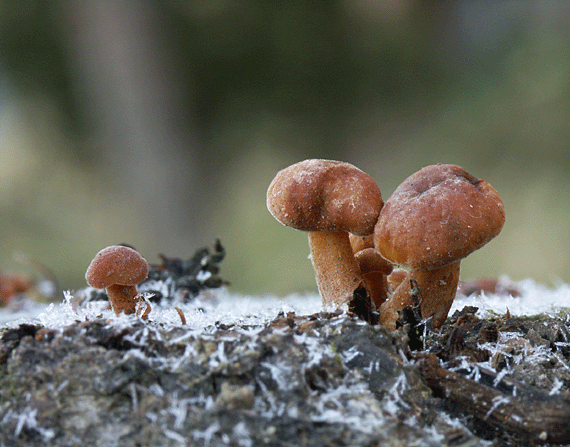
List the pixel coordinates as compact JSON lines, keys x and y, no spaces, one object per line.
{"x":535,"y":299}
{"x":219,"y":306}
{"x":346,"y":399}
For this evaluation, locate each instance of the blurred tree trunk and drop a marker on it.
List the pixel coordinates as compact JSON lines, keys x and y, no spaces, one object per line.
{"x":139,"y":104}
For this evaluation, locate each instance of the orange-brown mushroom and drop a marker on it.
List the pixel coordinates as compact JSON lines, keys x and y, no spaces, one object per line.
{"x":359,"y":243}
{"x":395,"y":278}
{"x":374,"y":270}
{"x":373,"y":267}
{"x":436,"y":217}
{"x":118,"y":269}
{"x":328,"y":199}
{"x":488,"y":285}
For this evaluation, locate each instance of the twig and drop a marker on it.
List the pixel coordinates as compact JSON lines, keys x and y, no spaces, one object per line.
{"x":181,"y":315}
{"x":520,"y":410}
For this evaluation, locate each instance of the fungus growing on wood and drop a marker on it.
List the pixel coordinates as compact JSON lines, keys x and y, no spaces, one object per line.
{"x":359,"y":243}
{"x":11,"y":285}
{"x":118,"y":269}
{"x":488,"y":285}
{"x":435,"y":218}
{"x":328,"y":199}
{"x":395,"y":278}
{"x":374,"y":270}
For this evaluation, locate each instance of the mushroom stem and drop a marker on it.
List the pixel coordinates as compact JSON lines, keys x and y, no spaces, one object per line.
{"x":374,"y":269}
{"x":125,"y":299}
{"x":438,"y":288}
{"x":336,"y":270}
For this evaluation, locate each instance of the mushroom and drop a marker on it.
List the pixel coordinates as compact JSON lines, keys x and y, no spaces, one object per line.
{"x":488,"y":285}
{"x":395,"y":278}
{"x":118,"y":269}
{"x":373,"y":267}
{"x":328,"y":199}
{"x":435,"y":218}
{"x":359,"y":243}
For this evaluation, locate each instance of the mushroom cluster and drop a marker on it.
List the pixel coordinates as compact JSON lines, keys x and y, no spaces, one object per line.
{"x":435,"y":218}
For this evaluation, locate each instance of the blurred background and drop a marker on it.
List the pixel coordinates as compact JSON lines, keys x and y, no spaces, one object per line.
{"x":161,"y":124}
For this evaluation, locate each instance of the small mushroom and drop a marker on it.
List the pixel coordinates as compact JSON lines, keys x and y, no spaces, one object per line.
{"x":118,"y":269}
{"x":488,"y":285}
{"x":374,"y":270}
{"x":373,"y":267}
{"x":435,"y":218}
{"x":328,"y":199}
{"x":359,"y":243}
{"x":395,"y":278}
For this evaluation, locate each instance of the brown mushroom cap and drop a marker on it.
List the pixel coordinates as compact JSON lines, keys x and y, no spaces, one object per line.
{"x":436,"y":216}
{"x":116,"y":265}
{"x":369,"y":260}
{"x":325,"y":195}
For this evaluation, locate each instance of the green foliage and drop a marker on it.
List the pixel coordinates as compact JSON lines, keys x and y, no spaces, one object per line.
{"x":268,"y":83}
